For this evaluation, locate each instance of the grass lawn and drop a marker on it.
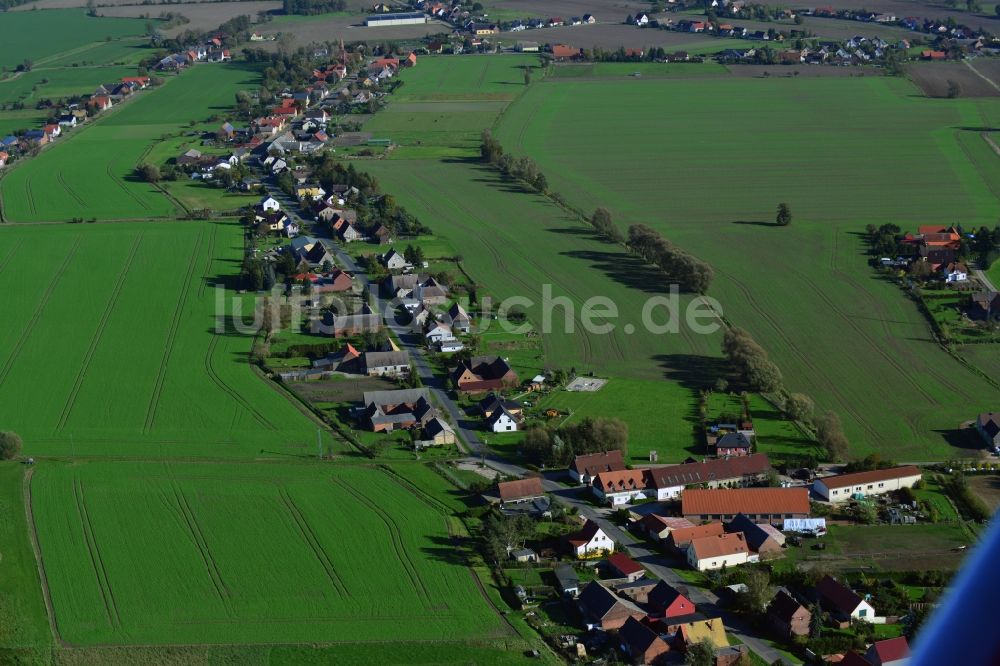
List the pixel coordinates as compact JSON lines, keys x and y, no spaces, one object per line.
{"x":116,"y":143}
{"x":144,"y":373}
{"x":837,"y":331}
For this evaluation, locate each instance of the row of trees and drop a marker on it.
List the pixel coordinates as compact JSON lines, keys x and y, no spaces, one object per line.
{"x":689,"y":272}
{"x":751,"y":361}
{"x":605,"y":226}
{"x":558,"y":446}
{"x":523,"y":169}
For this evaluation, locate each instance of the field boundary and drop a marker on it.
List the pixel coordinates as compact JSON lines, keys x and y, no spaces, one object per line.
{"x":36,"y":548}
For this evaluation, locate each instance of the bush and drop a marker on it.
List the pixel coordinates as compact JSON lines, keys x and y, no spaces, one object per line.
{"x":10,"y":445}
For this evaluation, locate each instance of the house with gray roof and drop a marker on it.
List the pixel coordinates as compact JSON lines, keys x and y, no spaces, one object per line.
{"x":387,"y":363}
{"x":385,"y":411}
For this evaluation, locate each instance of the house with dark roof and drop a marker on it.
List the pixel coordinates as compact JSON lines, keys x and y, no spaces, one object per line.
{"x":342,"y":326}
{"x":584,"y":468}
{"x":733,"y":444}
{"x":739,"y":471}
{"x":763,"y":539}
{"x":843,"y":603}
{"x":637,"y":590}
{"x":438,"y":432}
{"x":589,"y":541}
{"x":603,"y":609}
{"x":984,"y":306}
{"x":640,"y":643}
{"x":988,"y":427}
{"x":480,"y":374}
{"x":890,"y":652}
{"x":385,"y":411}
{"x":787,"y":617}
{"x":667,"y":601}
{"x":493,"y":402}
{"x":567,"y":580}
{"x":386,"y":364}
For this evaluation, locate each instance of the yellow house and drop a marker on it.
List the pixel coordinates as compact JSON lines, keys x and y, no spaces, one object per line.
{"x":699,"y":630}
{"x":314,"y":192}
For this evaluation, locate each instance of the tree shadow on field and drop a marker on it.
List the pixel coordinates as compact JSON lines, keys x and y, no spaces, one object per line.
{"x":692,"y":371}
{"x":625,"y":269}
{"x":451,"y":550}
{"x":757,"y":223}
{"x":979,"y":129}
{"x":962,"y":438}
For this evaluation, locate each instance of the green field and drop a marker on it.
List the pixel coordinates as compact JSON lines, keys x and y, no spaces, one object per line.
{"x":838,"y":332}
{"x":111,"y":349}
{"x":57,"y":83}
{"x":90,"y":173}
{"x":58,"y":35}
{"x":249,"y":554}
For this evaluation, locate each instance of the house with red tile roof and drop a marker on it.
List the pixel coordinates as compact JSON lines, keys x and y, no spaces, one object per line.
{"x":625,"y":567}
{"x":584,"y":468}
{"x":757,"y":504}
{"x":521,"y":490}
{"x":679,"y":539}
{"x":659,"y":527}
{"x":563,"y":52}
{"x":714,"y":552}
{"x":891,"y":652}
{"x":621,"y":487}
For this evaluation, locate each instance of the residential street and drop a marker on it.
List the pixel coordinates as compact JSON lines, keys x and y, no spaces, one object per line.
{"x":473,"y":445}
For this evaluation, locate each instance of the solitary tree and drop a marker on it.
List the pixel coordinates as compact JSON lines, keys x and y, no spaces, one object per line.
{"x":10,"y":445}
{"x":954,"y":89}
{"x":148,"y":172}
{"x":784,"y":216}
{"x":527,"y":75}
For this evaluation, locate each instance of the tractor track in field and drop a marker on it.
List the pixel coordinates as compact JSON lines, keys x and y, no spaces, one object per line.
{"x":864,"y":336}
{"x":39,"y":309}
{"x":69,"y":190}
{"x":121,"y":183}
{"x":309,"y":536}
{"x":29,"y":196}
{"x":154,"y":398}
{"x":96,"y":560}
{"x":965,"y":151}
{"x":29,"y":514}
{"x":208,"y":263}
{"x":198,"y":537}
{"x":393,"y":528}
{"x":803,"y":359}
{"x":431,"y":501}
{"x":228,"y":390}
{"x":10,"y":255}
{"x":944,"y":381}
{"x":67,"y":409}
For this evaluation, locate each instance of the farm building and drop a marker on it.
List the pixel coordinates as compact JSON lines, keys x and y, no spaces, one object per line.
{"x":390,"y":410}
{"x":764,"y":540}
{"x":842,"y":487}
{"x":521,"y":490}
{"x":386,"y":364}
{"x":736,"y":471}
{"x":404,"y":18}
{"x":483,"y":373}
{"x":758,"y":504}
{"x":569,"y":582}
{"x":667,"y":601}
{"x":641,"y":643}
{"x":625,"y":567}
{"x":659,"y":527}
{"x":438,"y":432}
{"x":715,"y":552}
{"x":584,"y":468}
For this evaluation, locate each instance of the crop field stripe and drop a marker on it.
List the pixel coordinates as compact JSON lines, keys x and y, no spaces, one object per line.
{"x":309,"y":536}
{"x":99,"y":333}
{"x":42,"y":302}
{"x":96,"y":561}
{"x":209,"y":261}
{"x":154,"y":398}
{"x":402,"y":554}
{"x":194,"y":529}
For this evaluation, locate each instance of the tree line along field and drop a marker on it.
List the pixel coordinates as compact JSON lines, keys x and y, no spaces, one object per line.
{"x":255,"y":554}
{"x":881,"y":153}
{"x":111,"y":347}
{"x":90,"y":172}
{"x":51,"y":34}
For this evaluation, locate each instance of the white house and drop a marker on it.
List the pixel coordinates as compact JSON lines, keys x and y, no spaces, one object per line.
{"x":451,"y":346}
{"x":843,"y":487}
{"x":269,"y":204}
{"x":714,"y":552}
{"x":842,"y":602}
{"x":641,"y":19}
{"x":438,"y":333}
{"x":590,"y":541}
{"x":502,"y":421}
{"x":955,"y":272}
{"x":393,"y":260}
